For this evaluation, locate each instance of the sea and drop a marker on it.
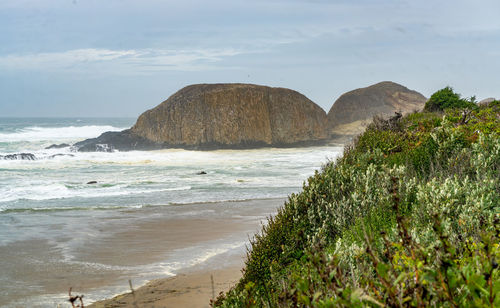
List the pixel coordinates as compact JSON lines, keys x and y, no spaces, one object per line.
{"x":61,"y":211}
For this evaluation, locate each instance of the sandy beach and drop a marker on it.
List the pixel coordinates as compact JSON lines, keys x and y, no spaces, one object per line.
{"x":176,"y":248}
{"x":194,"y":286}
{"x":191,"y":289}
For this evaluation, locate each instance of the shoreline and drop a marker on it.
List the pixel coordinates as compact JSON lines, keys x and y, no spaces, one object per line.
{"x":191,"y":286}
{"x":179,"y":247}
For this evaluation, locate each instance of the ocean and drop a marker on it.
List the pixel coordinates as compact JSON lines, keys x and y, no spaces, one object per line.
{"x":56,"y":229}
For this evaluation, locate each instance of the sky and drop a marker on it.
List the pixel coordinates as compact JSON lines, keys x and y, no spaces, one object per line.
{"x":118,"y":58}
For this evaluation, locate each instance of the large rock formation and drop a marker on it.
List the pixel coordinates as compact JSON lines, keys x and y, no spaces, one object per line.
{"x":354,"y":110}
{"x":211,"y":116}
{"x":486,"y":101}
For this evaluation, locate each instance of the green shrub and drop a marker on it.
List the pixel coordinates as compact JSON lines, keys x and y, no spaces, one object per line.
{"x":447,"y":98}
{"x":401,"y":272}
{"x":409,"y":216}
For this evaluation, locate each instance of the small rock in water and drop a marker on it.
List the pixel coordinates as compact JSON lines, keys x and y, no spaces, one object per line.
{"x":92,"y":182}
{"x":57,"y":146}
{"x":202,"y":172}
{"x":58,"y":155}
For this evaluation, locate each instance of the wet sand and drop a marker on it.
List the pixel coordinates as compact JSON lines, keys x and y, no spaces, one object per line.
{"x":192,"y":289}
{"x":182,"y":245}
{"x":194,"y":286}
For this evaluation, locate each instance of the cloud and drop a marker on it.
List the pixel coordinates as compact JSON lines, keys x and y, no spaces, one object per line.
{"x":121,"y":60}
{"x":200,"y":59}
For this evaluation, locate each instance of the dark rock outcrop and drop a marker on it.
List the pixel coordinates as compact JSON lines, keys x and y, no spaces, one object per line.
{"x":354,"y":110}
{"x":110,"y":141}
{"x":214,"y":116}
{"x":30,"y":156}
{"x":19,"y":156}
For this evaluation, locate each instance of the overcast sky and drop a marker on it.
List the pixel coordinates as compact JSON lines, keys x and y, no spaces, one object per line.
{"x":120,"y":57}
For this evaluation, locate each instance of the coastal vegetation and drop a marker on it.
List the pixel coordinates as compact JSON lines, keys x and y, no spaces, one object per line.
{"x":409,"y":216}
{"x":446,"y":98}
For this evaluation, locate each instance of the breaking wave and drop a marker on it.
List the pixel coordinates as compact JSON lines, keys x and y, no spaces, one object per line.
{"x":37,"y":133}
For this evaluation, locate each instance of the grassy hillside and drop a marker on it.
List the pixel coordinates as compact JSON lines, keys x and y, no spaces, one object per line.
{"x":409,"y":216}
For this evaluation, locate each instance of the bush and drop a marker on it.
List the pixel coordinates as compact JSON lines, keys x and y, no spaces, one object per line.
{"x":446,"y":98}
{"x":409,"y":216}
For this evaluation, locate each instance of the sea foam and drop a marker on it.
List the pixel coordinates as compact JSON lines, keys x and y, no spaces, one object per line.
{"x":36,"y":133}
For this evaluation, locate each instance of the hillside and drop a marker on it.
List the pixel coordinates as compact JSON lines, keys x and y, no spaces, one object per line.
{"x":408,"y":217}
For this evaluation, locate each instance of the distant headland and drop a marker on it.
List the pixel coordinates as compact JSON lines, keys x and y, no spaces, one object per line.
{"x":244,"y":116}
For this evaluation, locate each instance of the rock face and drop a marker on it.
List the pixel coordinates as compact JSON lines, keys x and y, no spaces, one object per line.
{"x":486,"y":101}
{"x":212,"y":116}
{"x":233,"y":115}
{"x":354,"y":110}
